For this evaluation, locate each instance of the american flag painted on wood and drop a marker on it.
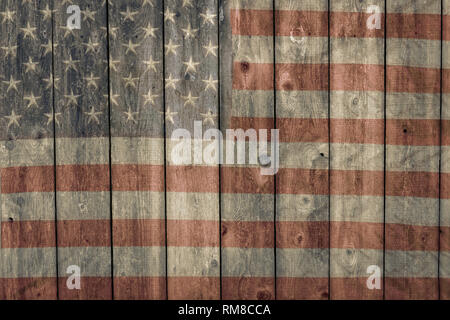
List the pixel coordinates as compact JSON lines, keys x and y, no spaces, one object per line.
{"x":88,"y":178}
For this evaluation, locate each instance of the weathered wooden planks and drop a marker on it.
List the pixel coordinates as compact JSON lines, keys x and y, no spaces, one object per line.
{"x":137,"y":149}
{"x":192,"y":187}
{"x":248,"y":262}
{"x":412,"y":149}
{"x":444,"y":253}
{"x":28,"y":253}
{"x":301,"y":30}
{"x":357,"y":148}
{"x":82,"y":150}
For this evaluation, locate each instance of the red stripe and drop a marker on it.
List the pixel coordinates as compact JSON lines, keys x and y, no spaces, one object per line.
{"x":414,"y":26}
{"x":248,"y":288}
{"x":252,"y":76}
{"x":302,"y":288}
{"x":302,"y":181}
{"x":413,"y":132}
{"x":445,"y":288}
{"x":92,"y":288}
{"x":192,"y":179}
{"x":353,"y":25}
{"x":445,"y":185}
{"x":354,"y":289}
{"x":296,"y":76}
{"x":138,"y":233}
{"x":31,"y":288}
{"x":192,"y":233}
{"x":28,"y":234}
{"x":445,"y":238}
{"x":356,"y":235}
{"x":412,"y":79}
{"x":407,"y":237}
{"x":93,"y":177}
{"x":412,"y":184}
{"x":446,"y":27}
{"x":84,"y":233}
{"x":357,"y":77}
{"x":137,"y":177}
{"x":357,"y":182}
{"x":251,"y":22}
{"x":445,"y":135}
{"x":446,"y":80}
{"x":247,"y":234}
{"x":193,"y":288}
{"x":302,"y":234}
{"x":27,"y":179}
{"x":301,"y":23}
{"x":411,"y":288}
{"x":245,"y":180}
{"x":139,"y":288}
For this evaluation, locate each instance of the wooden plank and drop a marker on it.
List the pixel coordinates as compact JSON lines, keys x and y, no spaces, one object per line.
{"x":27,"y":266}
{"x":191,"y":97}
{"x":412,"y":192}
{"x":137,"y":149}
{"x":302,"y":216}
{"x":247,"y":199}
{"x":444,"y":254}
{"x":82,"y":151}
{"x":357,"y":149}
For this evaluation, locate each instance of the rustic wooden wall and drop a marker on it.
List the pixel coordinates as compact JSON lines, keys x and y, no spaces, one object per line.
{"x":87,"y":174}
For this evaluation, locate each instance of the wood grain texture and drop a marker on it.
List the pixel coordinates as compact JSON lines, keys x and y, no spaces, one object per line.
{"x":27,"y":266}
{"x":302,"y":210}
{"x":247,"y":272}
{"x":404,"y":280}
{"x":193,"y":256}
{"x":357,"y":152}
{"x":137,"y":131}
{"x":81,"y":76}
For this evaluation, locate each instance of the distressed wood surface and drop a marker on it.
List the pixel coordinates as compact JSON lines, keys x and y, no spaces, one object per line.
{"x":27,"y":258}
{"x":86,"y":123}
{"x":137,"y":149}
{"x":82,"y":151}
{"x":357,"y":149}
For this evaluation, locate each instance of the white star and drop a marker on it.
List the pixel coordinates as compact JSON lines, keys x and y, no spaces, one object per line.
{"x":47,"y":13}
{"x":112,"y":63}
{"x":28,"y":31}
{"x":149,"y":2}
{"x":112,"y":97}
{"x":68,"y":1}
{"x":88,"y":14}
{"x":151,"y":64}
{"x":208,"y":117}
{"x":190,"y":99}
{"x":67,"y":31}
{"x":131,"y":46}
{"x":11,"y":50}
{"x":32,"y":100}
{"x":13,"y":119}
{"x":189,"y":32}
{"x":171,"y":82}
{"x":12,"y":84}
{"x":92,"y":81}
{"x":187,"y":3}
{"x":149,"y":31}
{"x":171,"y":48}
{"x":30,"y":65}
{"x":8,"y":15}
{"x":50,"y":118}
{"x":149,"y":97}
{"x":208,"y":17}
{"x":169,"y":115}
{"x":129,"y":15}
{"x":211,"y":83}
{"x":90,"y":46}
{"x":70,"y":64}
{"x":210,"y":49}
{"x":48,"y":47}
{"x":130,"y":115}
{"x":93,"y":115}
{"x":72,"y":98}
{"x":191,"y":65}
{"x":49,"y":82}
{"x":130,"y":81}
{"x":168,"y":15}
